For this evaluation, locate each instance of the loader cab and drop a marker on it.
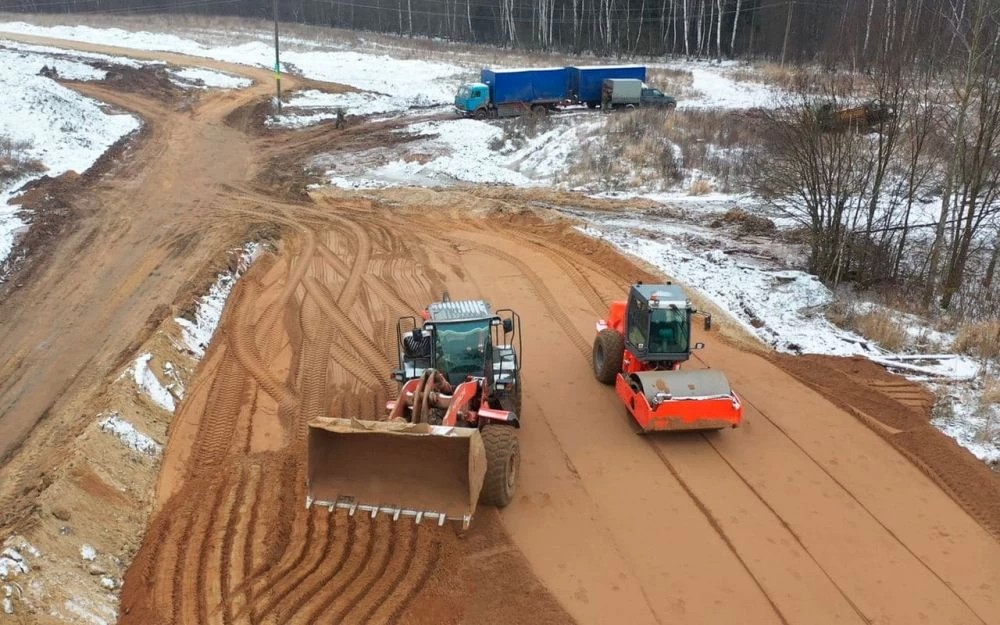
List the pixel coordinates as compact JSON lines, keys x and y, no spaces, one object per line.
{"x":462,"y":339}
{"x":658,"y":323}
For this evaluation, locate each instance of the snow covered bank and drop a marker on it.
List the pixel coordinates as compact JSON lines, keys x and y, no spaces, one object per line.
{"x":67,"y":131}
{"x":716,"y":90}
{"x":469,"y":151}
{"x":410,"y":82}
{"x":197,"y":334}
{"x":129,"y":436}
{"x":207,"y":79}
{"x":306,"y":108}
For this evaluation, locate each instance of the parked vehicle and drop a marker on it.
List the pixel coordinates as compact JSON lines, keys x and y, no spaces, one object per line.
{"x":864,"y":117}
{"x":586,"y":82}
{"x":512,"y":92}
{"x":632,"y":93}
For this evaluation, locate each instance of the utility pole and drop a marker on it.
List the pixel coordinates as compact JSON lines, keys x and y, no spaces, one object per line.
{"x":788,"y":27}
{"x":277,"y":60}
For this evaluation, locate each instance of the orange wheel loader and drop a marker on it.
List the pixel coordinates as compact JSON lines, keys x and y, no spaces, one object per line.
{"x":450,"y":441}
{"x":640,"y":347}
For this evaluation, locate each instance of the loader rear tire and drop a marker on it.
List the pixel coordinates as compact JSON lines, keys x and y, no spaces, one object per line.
{"x":503,"y":463}
{"x":609,"y":350}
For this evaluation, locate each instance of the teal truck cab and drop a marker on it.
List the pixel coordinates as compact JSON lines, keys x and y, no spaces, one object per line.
{"x":473,"y":99}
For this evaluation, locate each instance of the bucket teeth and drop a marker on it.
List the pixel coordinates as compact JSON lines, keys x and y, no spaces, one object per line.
{"x":420,"y":517}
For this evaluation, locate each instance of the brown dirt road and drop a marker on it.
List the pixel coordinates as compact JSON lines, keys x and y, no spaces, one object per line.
{"x":804,"y":515}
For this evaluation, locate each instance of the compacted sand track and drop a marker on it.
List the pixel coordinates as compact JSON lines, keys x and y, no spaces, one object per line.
{"x":805,"y":515}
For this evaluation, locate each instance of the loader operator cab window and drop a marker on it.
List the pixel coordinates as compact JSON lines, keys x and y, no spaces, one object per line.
{"x":462,"y":348}
{"x":669,"y":331}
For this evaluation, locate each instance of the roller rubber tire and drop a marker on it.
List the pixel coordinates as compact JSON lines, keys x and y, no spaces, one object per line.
{"x":609,"y":349}
{"x":503,"y":463}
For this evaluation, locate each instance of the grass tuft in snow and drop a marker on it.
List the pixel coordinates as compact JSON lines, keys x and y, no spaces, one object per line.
{"x":16,"y":160}
{"x":980,"y":339}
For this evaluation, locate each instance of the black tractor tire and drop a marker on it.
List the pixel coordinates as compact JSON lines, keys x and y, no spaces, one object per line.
{"x":481,"y":114}
{"x":609,"y":350}
{"x":503,"y":464}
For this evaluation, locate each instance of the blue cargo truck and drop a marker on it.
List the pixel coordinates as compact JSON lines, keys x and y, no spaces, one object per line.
{"x":586,"y":82}
{"x":511,"y":92}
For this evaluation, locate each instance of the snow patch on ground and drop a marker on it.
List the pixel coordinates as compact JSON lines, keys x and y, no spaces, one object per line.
{"x":12,"y":563}
{"x":147,"y":381}
{"x":129,"y":436}
{"x":973,"y":425}
{"x":84,"y":612}
{"x":76,"y":54}
{"x":88,"y":553}
{"x":67,"y":131}
{"x":718,"y":91}
{"x":208,"y":79}
{"x":413,"y":81}
{"x":467,"y":151}
{"x":197,"y":334}
{"x":312,"y":107}
{"x":29,"y":63}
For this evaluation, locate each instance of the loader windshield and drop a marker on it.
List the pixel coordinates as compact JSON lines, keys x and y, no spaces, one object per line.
{"x":668,"y":331}
{"x":462,"y":347}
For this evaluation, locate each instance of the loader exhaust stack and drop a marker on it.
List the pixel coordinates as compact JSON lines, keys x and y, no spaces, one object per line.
{"x":397,"y":468}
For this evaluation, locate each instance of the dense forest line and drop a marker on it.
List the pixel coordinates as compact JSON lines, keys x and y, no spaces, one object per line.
{"x":833,"y":31}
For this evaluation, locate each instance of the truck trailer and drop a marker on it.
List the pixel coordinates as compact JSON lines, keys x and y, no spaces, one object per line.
{"x":586,"y":81}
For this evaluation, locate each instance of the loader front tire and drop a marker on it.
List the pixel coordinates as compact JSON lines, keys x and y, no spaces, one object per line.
{"x":609,"y":350}
{"x":503,"y":463}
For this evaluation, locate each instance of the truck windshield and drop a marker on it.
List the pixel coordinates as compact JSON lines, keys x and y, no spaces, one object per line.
{"x":462,"y":346}
{"x":668,"y":331}
{"x":464,"y":92}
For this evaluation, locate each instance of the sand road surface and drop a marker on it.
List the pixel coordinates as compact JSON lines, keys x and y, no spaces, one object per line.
{"x":805,"y":515}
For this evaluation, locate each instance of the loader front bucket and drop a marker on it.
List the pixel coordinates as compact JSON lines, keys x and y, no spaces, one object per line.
{"x":398,"y":468}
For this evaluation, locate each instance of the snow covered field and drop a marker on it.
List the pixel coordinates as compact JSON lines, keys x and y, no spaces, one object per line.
{"x":67,"y":131}
{"x":467,"y":151}
{"x":407,"y":82}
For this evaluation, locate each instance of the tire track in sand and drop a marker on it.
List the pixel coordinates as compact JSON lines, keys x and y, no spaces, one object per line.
{"x":326,"y":595}
{"x":232,"y":567}
{"x":371,"y":357}
{"x":390,"y":580}
{"x":312,"y":583}
{"x":423,"y":577}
